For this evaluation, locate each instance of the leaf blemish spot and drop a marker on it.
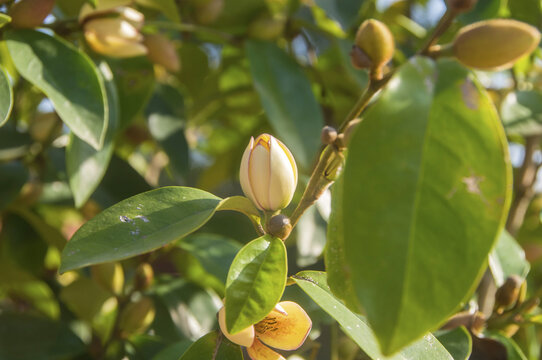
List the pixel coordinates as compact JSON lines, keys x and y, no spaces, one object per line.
{"x":472,"y":183}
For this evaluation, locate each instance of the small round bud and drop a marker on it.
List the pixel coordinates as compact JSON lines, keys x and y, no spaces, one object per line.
{"x":359,"y":59}
{"x":137,"y":316}
{"x":376,"y":41}
{"x":460,"y":6}
{"x":494,"y":44}
{"x":267,"y":26}
{"x":161,"y":51}
{"x":507,"y":294}
{"x":279,"y":226}
{"x":28,"y":14}
{"x":144,"y":276}
{"x":328,"y":135}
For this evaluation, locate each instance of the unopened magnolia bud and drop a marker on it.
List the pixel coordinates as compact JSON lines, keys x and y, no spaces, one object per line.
{"x":460,"y":6}
{"x":207,"y":11}
{"x":494,"y":44}
{"x":507,"y":294}
{"x":114,"y":37}
{"x":376,"y":41}
{"x":29,"y":14}
{"x":161,"y":51}
{"x":268,"y":173}
{"x":359,"y":59}
{"x":137,"y":316}
{"x":328,"y":135}
{"x":144,"y":276}
{"x":267,"y":26}
{"x":109,"y":275}
{"x":279,"y":226}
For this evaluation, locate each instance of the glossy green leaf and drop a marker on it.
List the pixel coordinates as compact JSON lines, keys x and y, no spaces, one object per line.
{"x":213,"y":346}
{"x":73,"y":85}
{"x":507,"y":258}
{"x":286,"y":96}
{"x":85,"y":165}
{"x":6,"y":96}
{"x":521,"y":112}
{"x":458,"y":342}
{"x":139,"y":224}
{"x":427,"y":186}
{"x":314,"y":283}
{"x":13,"y":176}
{"x":214,"y":252}
{"x":255,"y":282}
{"x":23,"y":336}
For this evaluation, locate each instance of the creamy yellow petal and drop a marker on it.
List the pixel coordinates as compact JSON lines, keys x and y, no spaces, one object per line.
{"x":259,"y":173}
{"x":282,"y":180}
{"x":285,"y":331}
{"x":259,"y":351}
{"x":244,"y":337}
{"x":244,"y":174}
{"x":290,"y":158}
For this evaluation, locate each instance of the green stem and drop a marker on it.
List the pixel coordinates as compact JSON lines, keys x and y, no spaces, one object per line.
{"x":443,"y":25}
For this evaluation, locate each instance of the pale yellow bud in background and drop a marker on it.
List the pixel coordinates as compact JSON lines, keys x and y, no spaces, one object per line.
{"x":268,"y":173}
{"x":495,"y":44}
{"x":29,"y":14}
{"x":114,"y":37}
{"x":161,"y":51}
{"x":110,"y":276}
{"x":137,"y":316}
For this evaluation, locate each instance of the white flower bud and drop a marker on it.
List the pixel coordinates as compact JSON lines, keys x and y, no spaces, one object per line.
{"x":268,"y":173}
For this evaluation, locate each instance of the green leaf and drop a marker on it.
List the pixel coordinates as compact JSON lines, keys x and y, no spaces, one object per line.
{"x":137,"y":225}
{"x":507,"y":258}
{"x":512,"y":349}
{"x":4,"y":20}
{"x":214,"y":252}
{"x":287,"y":98}
{"x":521,"y":112}
{"x":13,"y":176}
{"x":23,"y":336}
{"x":458,"y":342}
{"x":526,"y":10}
{"x":6,"y":96}
{"x":73,"y":85}
{"x":172,"y":351}
{"x":255,"y":283}
{"x":343,"y":11}
{"x":314,"y":283}
{"x":167,"y":7}
{"x":213,"y":346}
{"x":427,"y":186}
{"x":243,"y":205}
{"x":85,"y":165}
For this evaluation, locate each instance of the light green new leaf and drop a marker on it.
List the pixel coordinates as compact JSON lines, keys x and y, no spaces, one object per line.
{"x":255,"y":282}
{"x":6,"y":97}
{"x":4,"y":20}
{"x":73,"y":85}
{"x":426,"y":189}
{"x":85,"y":165}
{"x":507,"y":258}
{"x":458,"y":342}
{"x":287,"y":98}
{"x":139,"y":224}
{"x":213,"y":346}
{"x":314,"y":283}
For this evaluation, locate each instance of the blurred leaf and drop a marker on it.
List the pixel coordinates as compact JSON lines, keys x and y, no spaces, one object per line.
{"x":507,"y":258}
{"x":23,"y":286}
{"x":13,"y":176}
{"x":85,"y":165}
{"x":310,"y":237}
{"x":25,"y":337}
{"x":314,"y":283}
{"x":512,"y":349}
{"x":434,"y":191}
{"x":484,"y":348}
{"x":70,"y":8}
{"x":167,"y":7}
{"x":521,"y":112}
{"x":13,"y":144}
{"x":237,"y":14}
{"x":214,"y":252}
{"x":166,"y":120}
{"x":343,"y":11}
{"x":483,"y":10}
{"x":4,"y":20}
{"x":213,"y":345}
{"x":73,"y":85}
{"x":134,"y":79}
{"x":526,"y":10}
{"x":255,"y":283}
{"x":172,"y":351}
{"x":139,"y":224}
{"x":287,"y":98}
{"x":6,"y":96}
{"x":48,"y":233}
{"x":458,"y":342}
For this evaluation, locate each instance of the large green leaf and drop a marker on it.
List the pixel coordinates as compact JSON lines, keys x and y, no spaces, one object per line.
{"x":29,"y":337}
{"x":314,"y":283}
{"x":521,"y":112}
{"x":255,"y":282}
{"x":287,"y":98}
{"x":73,"y":84}
{"x":139,"y":224}
{"x":85,"y":165}
{"x":6,"y":97}
{"x":507,"y":258}
{"x":458,"y":342}
{"x":213,"y":346}
{"x":426,"y":190}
